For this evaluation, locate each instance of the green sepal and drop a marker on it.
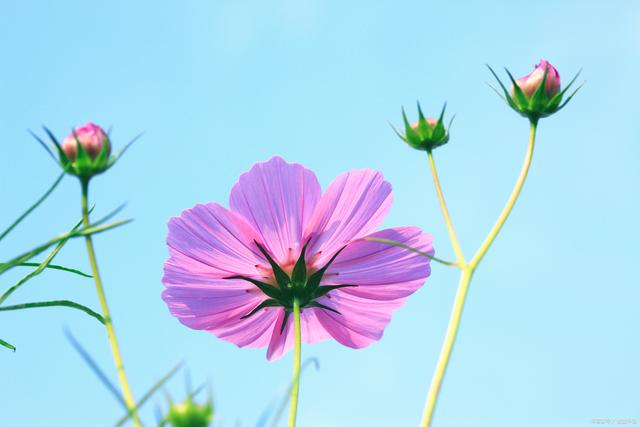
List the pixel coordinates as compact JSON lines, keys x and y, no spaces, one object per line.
{"x":287,"y":313}
{"x":425,"y":131}
{"x":267,"y":289}
{"x":539,"y":100}
{"x":102,"y":158}
{"x":299,"y":273}
{"x":325,"y":289}
{"x":439,"y":135}
{"x":410,"y":135}
{"x":83,"y":164}
{"x":569,"y":98}
{"x":282,"y":278}
{"x":519,"y":97}
{"x":264,"y":304}
{"x":316,"y":304}
{"x":507,"y":96}
{"x":314,"y":280}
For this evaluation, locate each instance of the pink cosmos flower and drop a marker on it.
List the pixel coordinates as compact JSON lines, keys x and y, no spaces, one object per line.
{"x":92,"y":138}
{"x":234,"y":272}
{"x":530,"y":82}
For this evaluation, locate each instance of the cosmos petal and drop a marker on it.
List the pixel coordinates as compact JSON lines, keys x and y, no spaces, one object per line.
{"x":277,"y":198}
{"x":361,"y":321}
{"x":381,"y":271}
{"x":353,"y":205}
{"x":311,"y":330}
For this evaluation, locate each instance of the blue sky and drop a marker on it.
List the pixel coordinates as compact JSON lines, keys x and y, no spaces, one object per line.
{"x":549,"y":335}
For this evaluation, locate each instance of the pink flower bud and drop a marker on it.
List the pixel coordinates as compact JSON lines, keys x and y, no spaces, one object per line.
{"x":431,"y":121}
{"x":91,"y":137}
{"x":530,"y":83}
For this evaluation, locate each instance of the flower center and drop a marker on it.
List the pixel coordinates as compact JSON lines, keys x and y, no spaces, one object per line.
{"x":301,"y":285}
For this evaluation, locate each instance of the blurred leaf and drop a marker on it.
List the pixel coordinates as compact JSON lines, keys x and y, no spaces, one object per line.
{"x":95,"y":368}
{"x":35,"y":205}
{"x":58,"y":303}
{"x":285,"y":399}
{"x":6,"y":344}
{"x":149,"y":394}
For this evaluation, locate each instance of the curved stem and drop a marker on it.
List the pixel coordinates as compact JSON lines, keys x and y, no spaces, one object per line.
{"x":445,"y":212}
{"x":295,"y":388}
{"x":111,"y":334}
{"x":447,"y":347}
{"x":510,"y":203}
{"x":467,"y":271}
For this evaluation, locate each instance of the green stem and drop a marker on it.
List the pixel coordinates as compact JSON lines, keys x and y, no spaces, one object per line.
{"x":447,"y":347}
{"x":467,"y":271}
{"x":481,"y":252}
{"x":295,"y":388}
{"x":445,"y":212}
{"x":111,"y":334}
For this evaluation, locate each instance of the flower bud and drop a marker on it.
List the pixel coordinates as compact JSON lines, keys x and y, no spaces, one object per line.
{"x":190,"y":414}
{"x":86,"y":152}
{"x":430,"y":121}
{"x":530,"y":82}
{"x":538,"y":94}
{"x":91,"y":137}
{"x":425,"y":133}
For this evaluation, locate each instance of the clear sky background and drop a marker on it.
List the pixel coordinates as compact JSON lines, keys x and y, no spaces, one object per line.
{"x":550,"y":333}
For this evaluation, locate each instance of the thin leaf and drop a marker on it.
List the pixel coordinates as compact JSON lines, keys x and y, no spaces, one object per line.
{"x":148,"y":395}
{"x":6,"y":344}
{"x":419,"y":252}
{"x":58,"y":303}
{"x":56,"y":267}
{"x":95,"y":368}
{"x":87,"y":231}
{"x":40,"y":266}
{"x":35,"y":205}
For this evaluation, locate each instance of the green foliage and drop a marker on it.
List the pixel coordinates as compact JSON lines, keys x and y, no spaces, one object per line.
{"x":58,"y":242}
